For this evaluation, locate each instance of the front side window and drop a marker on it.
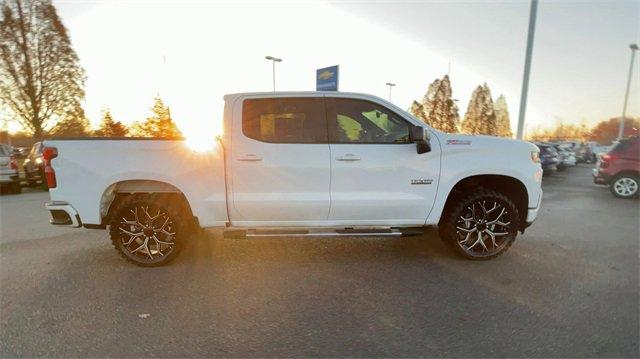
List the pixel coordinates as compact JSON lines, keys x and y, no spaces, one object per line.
{"x":285,"y":120}
{"x":360,"y":121}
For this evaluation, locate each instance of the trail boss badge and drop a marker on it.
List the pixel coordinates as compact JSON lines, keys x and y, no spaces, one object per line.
{"x":421,"y":181}
{"x":458,"y":142}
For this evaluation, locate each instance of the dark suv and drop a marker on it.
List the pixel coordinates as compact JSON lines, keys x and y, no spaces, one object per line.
{"x":620,"y":168}
{"x":34,"y":166}
{"x":548,"y":158}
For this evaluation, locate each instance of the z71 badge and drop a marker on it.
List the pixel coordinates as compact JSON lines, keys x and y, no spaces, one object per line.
{"x":421,"y":181}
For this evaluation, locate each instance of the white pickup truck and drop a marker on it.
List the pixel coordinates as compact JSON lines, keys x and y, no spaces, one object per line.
{"x":298,"y":163}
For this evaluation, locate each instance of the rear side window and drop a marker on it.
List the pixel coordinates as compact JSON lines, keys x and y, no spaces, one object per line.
{"x":285,"y":120}
{"x":623,"y":145}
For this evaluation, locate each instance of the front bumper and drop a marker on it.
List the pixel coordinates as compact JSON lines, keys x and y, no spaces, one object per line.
{"x":63,"y":214}
{"x":600,"y":177}
{"x":532,"y":213}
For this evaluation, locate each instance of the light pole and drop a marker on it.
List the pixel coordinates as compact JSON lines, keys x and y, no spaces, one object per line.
{"x":273,"y":61}
{"x":634,"y":48}
{"x":390,"y":87}
{"x":527,"y":67}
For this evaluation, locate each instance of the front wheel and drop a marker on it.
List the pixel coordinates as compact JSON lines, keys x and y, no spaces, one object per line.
{"x":481,"y":225}
{"x":147,"y":230}
{"x":625,"y":186}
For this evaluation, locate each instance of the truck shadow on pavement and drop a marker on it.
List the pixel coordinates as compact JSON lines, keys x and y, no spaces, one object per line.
{"x":214,"y":248}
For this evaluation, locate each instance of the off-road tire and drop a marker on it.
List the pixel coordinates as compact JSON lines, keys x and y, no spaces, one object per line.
{"x":447,"y":227}
{"x":176,"y":212}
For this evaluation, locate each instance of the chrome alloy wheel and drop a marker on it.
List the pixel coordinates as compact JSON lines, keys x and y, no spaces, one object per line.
{"x":625,"y":187}
{"x":147,"y":233}
{"x":484,"y":228}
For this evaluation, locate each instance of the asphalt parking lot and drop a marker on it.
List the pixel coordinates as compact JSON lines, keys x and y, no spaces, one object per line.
{"x":569,"y":287}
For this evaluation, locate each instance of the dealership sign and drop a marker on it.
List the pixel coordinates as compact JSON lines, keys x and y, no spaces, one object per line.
{"x":327,"y":78}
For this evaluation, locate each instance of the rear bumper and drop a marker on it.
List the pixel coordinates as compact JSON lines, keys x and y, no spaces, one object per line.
{"x":63,"y":214}
{"x":9,"y":177}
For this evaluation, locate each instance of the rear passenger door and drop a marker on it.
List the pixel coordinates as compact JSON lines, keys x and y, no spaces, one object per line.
{"x":280,"y":162}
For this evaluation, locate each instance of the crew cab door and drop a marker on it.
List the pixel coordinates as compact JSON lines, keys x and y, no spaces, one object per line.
{"x":377,"y":176}
{"x":280,"y":162}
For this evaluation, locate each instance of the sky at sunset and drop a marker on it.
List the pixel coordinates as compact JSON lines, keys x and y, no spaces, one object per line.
{"x":192,"y":53}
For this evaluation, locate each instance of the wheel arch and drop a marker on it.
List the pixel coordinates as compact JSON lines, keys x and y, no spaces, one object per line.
{"x":507,"y":185}
{"x":627,"y":172}
{"x":122,"y":189}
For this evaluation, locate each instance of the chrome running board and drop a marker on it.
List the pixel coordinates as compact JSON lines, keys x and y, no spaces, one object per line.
{"x":320,"y":232}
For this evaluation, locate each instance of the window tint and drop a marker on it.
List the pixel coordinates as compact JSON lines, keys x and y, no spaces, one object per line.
{"x":359,"y":121}
{"x":623,"y":145}
{"x":285,"y":120}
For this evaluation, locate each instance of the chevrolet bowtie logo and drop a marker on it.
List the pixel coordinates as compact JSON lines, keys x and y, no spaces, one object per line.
{"x":325,"y":75}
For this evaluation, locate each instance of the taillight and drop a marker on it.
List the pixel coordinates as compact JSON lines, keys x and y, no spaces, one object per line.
{"x":49,"y":153}
{"x":14,"y":163}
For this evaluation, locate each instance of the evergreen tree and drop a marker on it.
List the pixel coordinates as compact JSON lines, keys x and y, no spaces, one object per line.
{"x":158,"y":125}
{"x":74,"y":123}
{"x":480,"y":117}
{"x":111,"y":128}
{"x":41,"y":80}
{"x":502,"y":117}
{"x":418,"y":111}
{"x":439,"y":109}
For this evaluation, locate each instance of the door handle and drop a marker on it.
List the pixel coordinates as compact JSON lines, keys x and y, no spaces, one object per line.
{"x":348,"y":157}
{"x":250,"y":157}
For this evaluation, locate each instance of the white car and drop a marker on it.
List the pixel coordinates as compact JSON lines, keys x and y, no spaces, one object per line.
{"x":299,"y":163}
{"x":9,"y":175}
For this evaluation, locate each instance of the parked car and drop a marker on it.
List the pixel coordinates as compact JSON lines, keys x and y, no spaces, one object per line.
{"x":9,"y":176}
{"x":34,"y":166}
{"x":299,"y":163}
{"x":591,"y":150}
{"x":548,"y":158}
{"x":20,"y":152}
{"x":620,"y":168}
{"x":567,"y":157}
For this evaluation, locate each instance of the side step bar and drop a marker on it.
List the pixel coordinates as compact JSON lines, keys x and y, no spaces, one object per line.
{"x":324,"y":232}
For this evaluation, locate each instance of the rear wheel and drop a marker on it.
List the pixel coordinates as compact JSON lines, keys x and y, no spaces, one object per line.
{"x":625,"y":186}
{"x":148,"y":230}
{"x":481,"y":225}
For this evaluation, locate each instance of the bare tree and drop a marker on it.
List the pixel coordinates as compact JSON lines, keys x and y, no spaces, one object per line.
{"x":41,"y":80}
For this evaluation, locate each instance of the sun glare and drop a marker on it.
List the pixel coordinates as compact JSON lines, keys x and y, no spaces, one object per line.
{"x":201,"y":142}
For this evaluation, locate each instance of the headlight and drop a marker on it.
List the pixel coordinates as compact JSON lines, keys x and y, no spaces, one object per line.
{"x":38,"y":160}
{"x":535,"y":156}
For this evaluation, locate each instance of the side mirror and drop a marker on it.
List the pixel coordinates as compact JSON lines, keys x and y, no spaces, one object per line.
{"x":421,"y":137}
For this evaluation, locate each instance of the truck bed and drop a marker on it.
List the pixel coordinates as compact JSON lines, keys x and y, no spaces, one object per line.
{"x":85,"y":168}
